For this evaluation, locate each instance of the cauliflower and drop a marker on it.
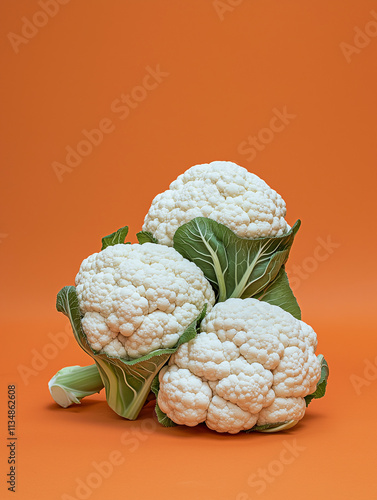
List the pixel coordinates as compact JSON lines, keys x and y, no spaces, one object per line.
{"x":136,"y":311}
{"x":251,"y":364}
{"x":132,"y":307}
{"x":224,"y":192}
{"x":135,"y":299}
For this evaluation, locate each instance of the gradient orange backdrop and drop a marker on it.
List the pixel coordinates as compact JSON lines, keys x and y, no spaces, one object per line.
{"x":219,"y":72}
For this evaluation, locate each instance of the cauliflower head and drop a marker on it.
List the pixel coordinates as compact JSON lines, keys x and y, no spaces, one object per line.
{"x":138,"y":298}
{"x":251,"y":364}
{"x":222,"y":191}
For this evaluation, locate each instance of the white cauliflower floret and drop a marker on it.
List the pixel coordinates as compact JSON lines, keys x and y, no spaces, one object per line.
{"x":256,"y":359}
{"x":138,"y":298}
{"x":207,"y":357}
{"x":185,"y":394}
{"x":98,"y":333}
{"x":223,"y":416}
{"x":222,"y":191}
{"x":248,"y":386}
{"x":282,"y":410}
{"x":296,"y":372}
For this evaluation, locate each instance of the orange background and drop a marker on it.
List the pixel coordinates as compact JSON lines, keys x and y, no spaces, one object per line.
{"x":225,"y":73}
